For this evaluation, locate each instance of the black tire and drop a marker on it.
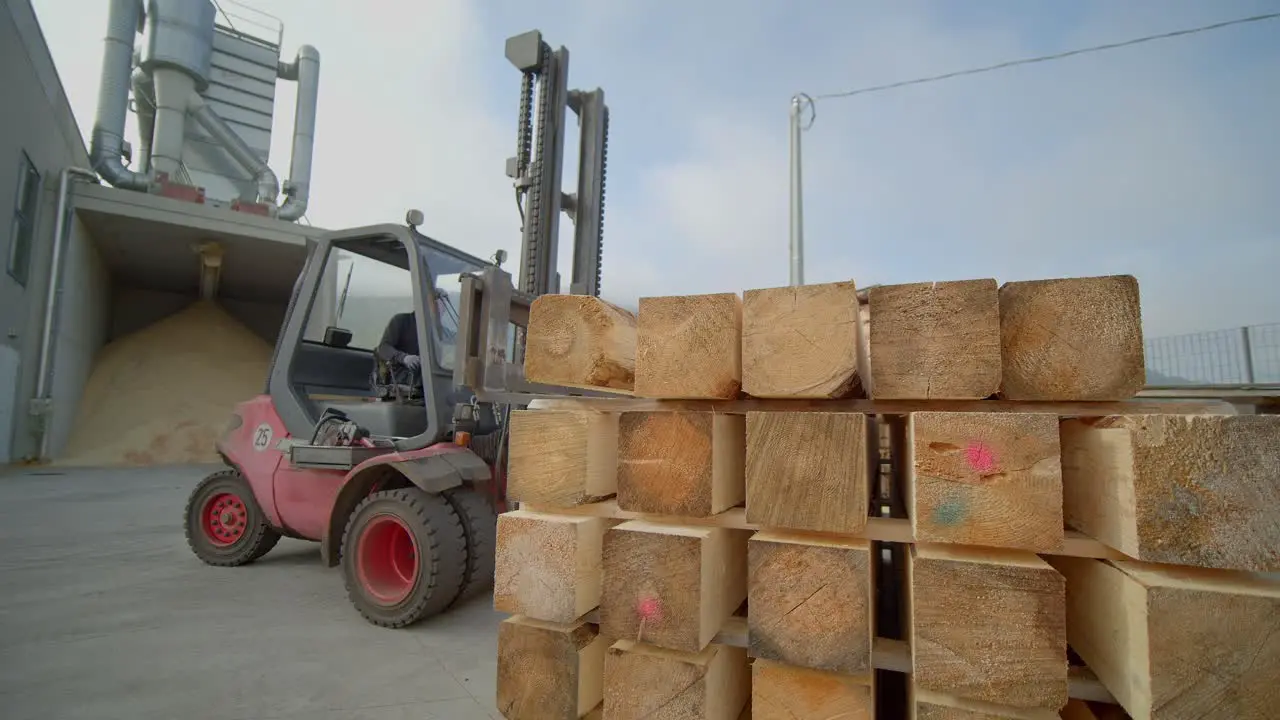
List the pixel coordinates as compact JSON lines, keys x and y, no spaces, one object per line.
{"x":439,"y":553}
{"x":239,"y":534}
{"x":481,"y":527}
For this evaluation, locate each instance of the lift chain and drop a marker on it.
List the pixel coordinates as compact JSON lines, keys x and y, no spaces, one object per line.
{"x":533,"y":213}
{"x":604,"y":172}
{"x":525,"y":126}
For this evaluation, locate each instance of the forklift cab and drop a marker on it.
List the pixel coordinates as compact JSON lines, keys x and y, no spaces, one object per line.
{"x":353,"y":283}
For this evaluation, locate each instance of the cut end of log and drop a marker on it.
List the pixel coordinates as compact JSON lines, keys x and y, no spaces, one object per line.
{"x":644,"y":682}
{"x":1072,"y":339}
{"x":681,"y":463}
{"x":988,"y":625}
{"x":1179,"y":489}
{"x":671,"y":586}
{"x":808,"y":471}
{"x":1170,"y":641}
{"x":801,"y":342}
{"x":548,"y":670}
{"x":988,"y":479}
{"x":580,"y":341}
{"x":935,"y":341}
{"x":810,"y":601}
{"x":548,"y":567}
{"x":689,"y":346}
{"x":562,"y":457}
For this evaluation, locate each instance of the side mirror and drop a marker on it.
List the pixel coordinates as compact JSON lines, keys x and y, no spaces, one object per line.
{"x":337,"y":337}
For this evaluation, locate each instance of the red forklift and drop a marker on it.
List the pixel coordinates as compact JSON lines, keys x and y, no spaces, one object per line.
{"x":394,"y":459}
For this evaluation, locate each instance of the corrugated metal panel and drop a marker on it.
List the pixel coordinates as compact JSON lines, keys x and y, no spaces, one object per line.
{"x":242,"y":91}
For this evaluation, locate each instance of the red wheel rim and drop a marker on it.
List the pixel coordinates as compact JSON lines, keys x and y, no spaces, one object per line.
{"x":224,"y":519}
{"x":387,"y":559}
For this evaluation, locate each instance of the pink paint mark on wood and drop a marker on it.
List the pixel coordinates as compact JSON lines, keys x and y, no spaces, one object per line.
{"x":649,"y":609}
{"x":980,"y":456}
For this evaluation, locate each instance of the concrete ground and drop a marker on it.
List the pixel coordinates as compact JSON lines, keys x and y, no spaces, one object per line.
{"x":105,"y":613}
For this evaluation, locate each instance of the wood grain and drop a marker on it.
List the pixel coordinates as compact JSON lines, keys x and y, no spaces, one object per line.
{"x":1185,"y":490}
{"x":1071,"y":339}
{"x":808,"y":471}
{"x":1177,"y":642}
{"x":548,"y":567}
{"x":682,"y":463}
{"x":940,"y":706}
{"x":562,"y":457}
{"x":689,"y":346}
{"x":991,"y":479}
{"x":801,"y":341}
{"x":935,"y":340}
{"x":643,"y":682}
{"x":669,"y":585}
{"x":988,"y":625}
{"x":580,"y":341}
{"x":810,"y":601}
{"x":783,"y":692}
{"x":548,"y":671}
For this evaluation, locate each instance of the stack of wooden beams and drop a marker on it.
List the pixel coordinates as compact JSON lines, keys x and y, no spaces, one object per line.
{"x":716,"y":544}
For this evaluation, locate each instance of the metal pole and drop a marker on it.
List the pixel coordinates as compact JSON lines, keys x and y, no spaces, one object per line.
{"x":1248,"y":354}
{"x":797,"y":196}
{"x":44,"y":373}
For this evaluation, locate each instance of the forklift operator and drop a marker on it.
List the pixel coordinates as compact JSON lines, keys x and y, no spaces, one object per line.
{"x":399,"y":344}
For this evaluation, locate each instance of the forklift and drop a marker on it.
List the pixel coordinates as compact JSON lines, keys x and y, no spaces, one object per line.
{"x":397,"y":467}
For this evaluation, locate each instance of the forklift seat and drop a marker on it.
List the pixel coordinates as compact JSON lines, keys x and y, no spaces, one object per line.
{"x":383,"y":419}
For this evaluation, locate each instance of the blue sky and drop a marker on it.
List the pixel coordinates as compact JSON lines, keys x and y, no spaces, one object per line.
{"x":1159,"y":160}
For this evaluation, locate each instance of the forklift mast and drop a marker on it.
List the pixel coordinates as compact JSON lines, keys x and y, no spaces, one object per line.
{"x":490,"y":351}
{"x":538,"y":164}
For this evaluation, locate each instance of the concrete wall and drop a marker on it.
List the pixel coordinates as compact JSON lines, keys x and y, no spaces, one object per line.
{"x":36,"y":119}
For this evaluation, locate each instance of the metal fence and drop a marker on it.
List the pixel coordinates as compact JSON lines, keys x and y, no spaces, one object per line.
{"x":1237,"y":356}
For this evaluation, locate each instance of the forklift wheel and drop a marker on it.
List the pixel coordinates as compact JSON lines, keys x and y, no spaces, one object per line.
{"x":404,"y":555}
{"x":223,"y":523}
{"x":481,"y":527}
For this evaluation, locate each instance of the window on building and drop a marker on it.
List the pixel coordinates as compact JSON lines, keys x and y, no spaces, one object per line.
{"x":23,"y":228}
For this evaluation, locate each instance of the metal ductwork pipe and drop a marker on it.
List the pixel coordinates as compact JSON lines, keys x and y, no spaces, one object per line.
{"x":268,"y":184}
{"x":306,"y":70}
{"x":106,"y":147}
{"x":174,"y":90}
{"x":144,"y":100}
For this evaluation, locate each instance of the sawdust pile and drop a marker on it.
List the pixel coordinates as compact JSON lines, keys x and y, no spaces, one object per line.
{"x":163,"y":394}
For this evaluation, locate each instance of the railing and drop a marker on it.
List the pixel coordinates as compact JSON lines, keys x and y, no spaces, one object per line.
{"x":249,"y":21}
{"x":1237,"y":356}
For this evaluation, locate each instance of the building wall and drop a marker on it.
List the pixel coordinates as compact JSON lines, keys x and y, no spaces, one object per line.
{"x":84,"y":317}
{"x":36,"y":119}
